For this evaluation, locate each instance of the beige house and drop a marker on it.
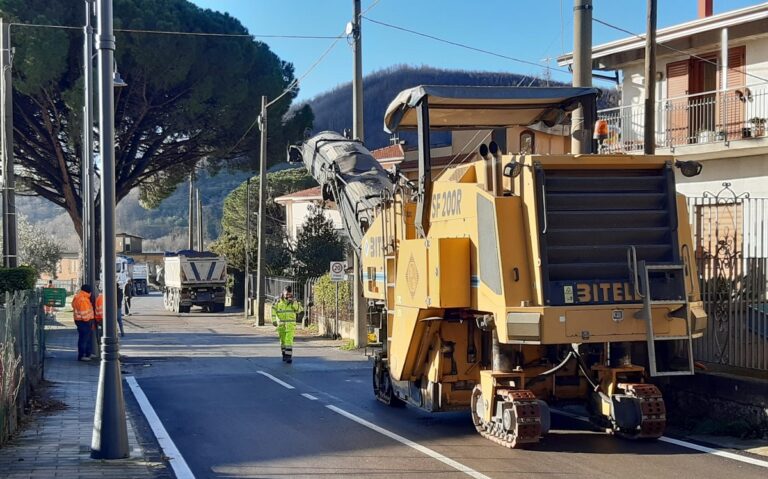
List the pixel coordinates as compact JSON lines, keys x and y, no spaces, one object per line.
{"x":711,"y":97}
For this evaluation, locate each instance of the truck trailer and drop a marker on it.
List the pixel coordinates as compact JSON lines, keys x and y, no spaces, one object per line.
{"x":194,"y":278}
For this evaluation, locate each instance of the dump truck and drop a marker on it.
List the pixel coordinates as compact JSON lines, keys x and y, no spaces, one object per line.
{"x":194,"y":278}
{"x":514,"y":282}
{"x":140,"y":278}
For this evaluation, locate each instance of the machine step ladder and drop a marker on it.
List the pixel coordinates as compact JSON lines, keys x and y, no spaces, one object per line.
{"x":643,"y":270}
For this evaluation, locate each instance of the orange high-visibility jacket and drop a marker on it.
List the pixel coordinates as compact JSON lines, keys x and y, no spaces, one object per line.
{"x":99,"y":313}
{"x":82,"y":309}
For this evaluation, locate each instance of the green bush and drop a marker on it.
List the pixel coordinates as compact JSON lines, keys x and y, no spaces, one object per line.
{"x":325,"y":298}
{"x":17,"y":279}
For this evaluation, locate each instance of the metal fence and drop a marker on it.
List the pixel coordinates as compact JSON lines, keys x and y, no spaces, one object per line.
{"x":22,"y":355}
{"x":708,"y":117}
{"x":731,"y":238}
{"x":274,"y":285}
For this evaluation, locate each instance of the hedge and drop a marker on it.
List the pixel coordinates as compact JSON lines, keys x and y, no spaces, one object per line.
{"x":17,"y":279}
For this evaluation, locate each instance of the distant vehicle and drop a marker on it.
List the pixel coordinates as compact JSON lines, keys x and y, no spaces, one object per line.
{"x":123,"y":266}
{"x":194,"y":278}
{"x":140,"y":277}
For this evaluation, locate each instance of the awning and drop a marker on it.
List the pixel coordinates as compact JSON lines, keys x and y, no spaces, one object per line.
{"x":476,"y":107}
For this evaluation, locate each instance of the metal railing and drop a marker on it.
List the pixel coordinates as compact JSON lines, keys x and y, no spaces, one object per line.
{"x":22,"y":355}
{"x":274,"y":285}
{"x":731,"y":237}
{"x":701,"y":118}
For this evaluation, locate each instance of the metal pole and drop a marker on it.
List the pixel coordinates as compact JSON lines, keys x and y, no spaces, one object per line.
{"x":649,"y":137}
{"x":581,"y":129}
{"x":110,"y":436}
{"x":262,"y":211}
{"x":360,"y":332}
{"x":86,"y":178}
{"x":10,"y":258}
{"x":246,"y":279}
{"x":724,"y":83}
{"x":336,"y":323}
{"x":200,"y":245}
{"x":191,"y":227}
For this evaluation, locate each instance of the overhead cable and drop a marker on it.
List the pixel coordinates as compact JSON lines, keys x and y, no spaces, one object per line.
{"x":706,"y":60}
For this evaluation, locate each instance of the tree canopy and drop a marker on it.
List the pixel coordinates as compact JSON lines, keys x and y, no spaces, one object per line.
{"x":231,"y":243}
{"x":317,"y":244}
{"x":189,"y":99}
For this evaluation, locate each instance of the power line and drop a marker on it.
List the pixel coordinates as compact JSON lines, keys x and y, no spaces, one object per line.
{"x":642,"y":37}
{"x":180,"y":33}
{"x":291,"y":86}
{"x":461,"y":45}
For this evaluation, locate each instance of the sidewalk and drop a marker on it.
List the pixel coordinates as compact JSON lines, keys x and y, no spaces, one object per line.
{"x":57,"y":443}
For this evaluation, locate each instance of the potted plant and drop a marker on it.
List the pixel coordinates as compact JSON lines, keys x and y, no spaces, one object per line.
{"x":758,"y":126}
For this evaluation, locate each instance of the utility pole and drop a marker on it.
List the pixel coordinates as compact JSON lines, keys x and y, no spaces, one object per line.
{"x":260,"y":320}
{"x":360,"y":331}
{"x":649,"y":130}
{"x":191,"y":227}
{"x":581,"y":121}
{"x":86,"y":167}
{"x":10,"y":258}
{"x":247,"y":279}
{"x":200,"y":245}
{"x":110,"y":434}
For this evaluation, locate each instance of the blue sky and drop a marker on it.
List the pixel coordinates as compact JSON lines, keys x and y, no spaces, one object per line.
{"x":527,"y":29}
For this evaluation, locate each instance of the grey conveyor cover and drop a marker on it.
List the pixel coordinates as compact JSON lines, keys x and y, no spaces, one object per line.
{"x":351,"y":175}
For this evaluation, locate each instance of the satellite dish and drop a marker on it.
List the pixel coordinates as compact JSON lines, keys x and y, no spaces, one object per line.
{"x":349,"y":28}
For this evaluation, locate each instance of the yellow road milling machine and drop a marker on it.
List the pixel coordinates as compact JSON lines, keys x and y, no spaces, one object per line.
{"x":511,"y":282}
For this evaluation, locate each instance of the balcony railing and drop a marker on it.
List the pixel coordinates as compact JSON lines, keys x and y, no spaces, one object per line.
{"x":709,"y":117}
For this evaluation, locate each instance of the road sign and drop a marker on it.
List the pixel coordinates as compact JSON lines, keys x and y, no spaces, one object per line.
{"x":337,"y":270}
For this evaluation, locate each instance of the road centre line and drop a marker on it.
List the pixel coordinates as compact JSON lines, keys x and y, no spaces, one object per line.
{"x":179,"y":465}
{"x":309,"y":396}
{"x":424,"y":450}
{"x":686,"y":444}
{"x":278,"y":381}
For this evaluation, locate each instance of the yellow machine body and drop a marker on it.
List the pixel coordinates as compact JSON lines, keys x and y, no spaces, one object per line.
{"x":482,"y":258}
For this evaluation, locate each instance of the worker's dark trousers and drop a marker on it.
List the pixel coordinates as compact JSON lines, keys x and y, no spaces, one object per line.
{"x":84,"y":332}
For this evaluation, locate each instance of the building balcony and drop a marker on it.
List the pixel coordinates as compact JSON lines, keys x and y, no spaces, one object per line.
{"x":698,"y":123}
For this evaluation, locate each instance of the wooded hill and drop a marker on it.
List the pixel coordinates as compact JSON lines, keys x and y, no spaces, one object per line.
{"x":333,"y":109}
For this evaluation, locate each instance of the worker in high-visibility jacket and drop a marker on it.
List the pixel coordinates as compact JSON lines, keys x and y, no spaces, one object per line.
{"x":82,"y":312}
{"x":285,"y":313}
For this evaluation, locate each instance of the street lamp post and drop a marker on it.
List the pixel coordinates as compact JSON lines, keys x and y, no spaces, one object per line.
{"x":86,"y":167}
{"x":110,"y":436}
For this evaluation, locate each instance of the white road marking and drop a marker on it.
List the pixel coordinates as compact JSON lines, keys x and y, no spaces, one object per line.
{"x":424,"y":450}
{"x":716,"y":452}
{"x":180,"y":467}
{"x":278,"y":381}
{"x":309,"y":396}
{"x":686,"y":444}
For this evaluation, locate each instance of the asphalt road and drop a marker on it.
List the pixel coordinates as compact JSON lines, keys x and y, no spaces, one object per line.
{"x":211,"y":379}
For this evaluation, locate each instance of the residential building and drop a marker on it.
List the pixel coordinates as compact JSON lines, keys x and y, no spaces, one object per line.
{"x":711,"y":97}
{"x":128,"y":243}
{"x":299,"y":206}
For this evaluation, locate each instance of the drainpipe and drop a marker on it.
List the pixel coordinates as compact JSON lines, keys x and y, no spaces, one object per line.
{"x":724,"y":82}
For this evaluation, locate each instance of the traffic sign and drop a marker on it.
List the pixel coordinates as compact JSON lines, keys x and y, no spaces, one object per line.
{"x":338,"y":269}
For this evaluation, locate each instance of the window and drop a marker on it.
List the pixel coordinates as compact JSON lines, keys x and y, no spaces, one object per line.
{"x":127,"y":245}
{"x":527,"y":142}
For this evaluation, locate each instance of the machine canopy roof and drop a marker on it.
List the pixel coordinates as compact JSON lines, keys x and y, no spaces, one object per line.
{"x":473,"y":107}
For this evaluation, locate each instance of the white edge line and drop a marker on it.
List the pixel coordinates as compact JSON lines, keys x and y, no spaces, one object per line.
{"x":424,"y":450}
{"x":309,"y":396}
{"x":686,"y":444}
{"x":180,"y":467}
{"x":278,"y":381}
{"x":716,"y":452}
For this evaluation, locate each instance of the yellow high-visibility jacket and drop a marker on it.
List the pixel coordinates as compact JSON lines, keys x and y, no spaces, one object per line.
{"x":285,"y":311}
